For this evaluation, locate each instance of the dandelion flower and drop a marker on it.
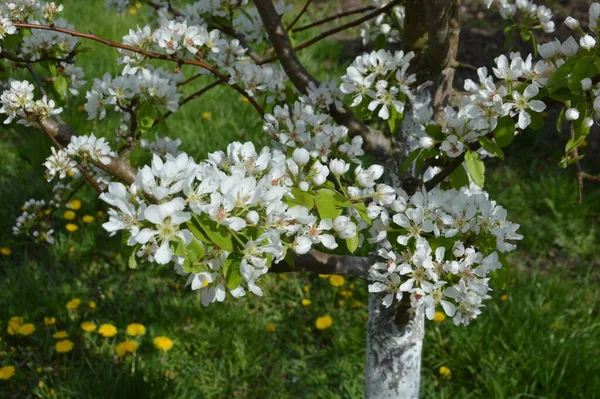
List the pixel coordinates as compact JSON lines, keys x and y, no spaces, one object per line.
{"x":323,"y":322}
{"x":504,"y":298}
{"x":69,"y":215}
{"x":73,"y":304}
{"x":163,"y":343}
{"x":336,"y":280}
{"x":14,"y":325}
{"x":132,"y":11}
{"x":306,"y":302}
{"x":75,"y":204}
{"x":126,"y":347}
{"x":439,"y":317}
{"x":5,"y":251}
{"x":91,"y":305}
{"x":88,"y":326}
{"x":27,"y":329}
{"x":60,"y":334}
{"x":7,"y":372}
{"x":206,"y":115}
{"x":135,"y":329}
{"x":445,"y":371}
{"x":107,"y":330}
{"x":49,"y":321}
{"x":100,"y":214}
{"x":64,"y":346}
{"x":72,"y":227}
{"x":87,"y":219}
{"x":346,"y":293}
{"x":270,"y":328}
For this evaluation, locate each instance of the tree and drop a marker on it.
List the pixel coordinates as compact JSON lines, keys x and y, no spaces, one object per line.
{"x":434,"y":238}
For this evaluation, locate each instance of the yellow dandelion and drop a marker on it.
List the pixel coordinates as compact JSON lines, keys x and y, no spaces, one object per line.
{"x":75,"y":204}
{"x":7,"y":372}
{"x":445,"y":371}
{"x":69,"y":215}
{"x":27,"y":329}
{"x":439,"y":317}
{"x":49,"y":321}
{"x":504,"y":298}
{"x":135,"y":329}
{"x":80,"y":108}
{"x":306,"y":289}
{"x":60,"y":334}
{"x":306,"y":302}
{"x":72,"y":227}
{"x":323,"y":322}
{"x":337,"y":280}
{"x":41,"y":384}
{"x":324,"y":275}
{"x":163,"y":343}
{"x":71,"y":250}
{"x":39,"y":369}
{"x":346,"y":293}
{"x":87,"y":219}
{"x":14,"y":325}
{"x":73,"y":304}
{"x":100,"y":214}
{"x":270,"y":328}
{"x":5,"y":251}
{"x":245,"y":99}
{"x":126,"y":347}
{"x":64,"y":346}
{"x":138,"y":5}
{"x":88,"y":326}
{"x":206,"y":115}
{"x":107,"y":330}
{"x":132,"y":11}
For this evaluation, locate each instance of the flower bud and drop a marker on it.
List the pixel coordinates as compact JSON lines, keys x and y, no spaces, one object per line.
{"x":338,"y":166}
{"x":597,"y":104}
{"x":586,"y":84}
{"x":587,"y":42}
{"x":569,"y":47}
{"x":301,"y":156}
{"x":572,"y":23}
{"x":303,"y":186}
{"x":572,"y":114}
{"x":252,"y":217}
{"x":588,"y":122}
{"x":426,"y":142}
{"x":548,"y":27}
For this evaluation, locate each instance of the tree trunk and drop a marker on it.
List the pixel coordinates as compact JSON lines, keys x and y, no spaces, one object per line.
{"x":395,"y":334}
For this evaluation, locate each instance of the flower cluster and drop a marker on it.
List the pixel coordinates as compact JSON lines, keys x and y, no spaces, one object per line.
{"x":17,"y":102}
{"x":381,"y":76}
{"x":448,"y":243}
{"x":386,"y":25}
{"x":34,"y":221}
{"x":530,"y":13}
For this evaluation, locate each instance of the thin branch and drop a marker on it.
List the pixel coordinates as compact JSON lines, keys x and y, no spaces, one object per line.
{"x":195,"y":95}
{"x":451,"y":167}
{"x":376,"y":142}
{"x":578,"y":171}
{"x":188,"y":80}
{"x":149,"y":54}
{"x":334,"y":30}
{"x":333,"y":17}
{"x":14,"y":58}
{"x":300,"y":14}
{"x":588,"y":176}
{"x":462,"y":65}
{"x":38,"y":82}
{"x":320,"y":262}
{"x":81,"y":168}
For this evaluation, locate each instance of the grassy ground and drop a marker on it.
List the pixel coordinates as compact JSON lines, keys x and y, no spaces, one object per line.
{"x":538,"y":337}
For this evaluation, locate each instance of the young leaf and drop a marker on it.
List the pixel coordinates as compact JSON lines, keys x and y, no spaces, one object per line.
{"x":61,"y":85}
{"x":459,"y":178}
{"x":326,"y":204}
{"x":352,"y":243}
{"x":475,"y":167}
{"x":490,"y":146}
{"x":218,"y":234}
{"x":504,"y":131}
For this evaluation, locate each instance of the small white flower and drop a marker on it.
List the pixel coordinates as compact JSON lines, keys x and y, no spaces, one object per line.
{"x":572,"y":114}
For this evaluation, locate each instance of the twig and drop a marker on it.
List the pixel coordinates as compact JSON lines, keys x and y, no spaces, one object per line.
{"x":77,"y":188}
{"x":81,"y":169}
{"x":149,"y":54}
{"x":461,"y":65}
{"x":451,"y":167}
{"x":578,"y":171}
{"x":300,"y":14}
{"x":38,"y":82}
{"x":336,"y":30}
{"x":336,"y":16}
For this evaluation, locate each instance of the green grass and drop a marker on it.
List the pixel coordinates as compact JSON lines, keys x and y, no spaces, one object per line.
{"x":540,"y":343}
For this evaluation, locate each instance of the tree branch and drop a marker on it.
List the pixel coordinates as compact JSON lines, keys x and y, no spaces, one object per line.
{"x":326,"y":33}
{"x":331,"y":18}
{"x":290,"y":26}
{"x":376,"y":142}
{"x":149,"y":54}
{"x":320,"y":262}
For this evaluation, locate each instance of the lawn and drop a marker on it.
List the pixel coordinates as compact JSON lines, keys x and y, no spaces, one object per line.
{"x":537,"y":338}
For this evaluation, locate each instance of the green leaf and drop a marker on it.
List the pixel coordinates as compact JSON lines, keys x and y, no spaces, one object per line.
{"x":563,"y":94}
{"x":217,"y":233}
{"x":289,"y":259}
{"x":180,"y":249}
{"x":475,"y":167}
{"x":52,"y":69}
{"x":537,"y":121}
{"x":361,"y":208}
{"x":409,"y":161}
{"x":435,"y":131}
{"x":146,"y":115}
{"x":61,"y":85}
{"x":132,"y":262}
{"x":525,"y":35}
{"x":394,"y":120}
{"x":459,"y":178}
{"x":231,"y":270}
{"x":197,"y":233}
{"x":195,"y":250}
{"x":573,"y":143}
{"x":301,"y":198}
{"x":584,"y":68}
{"x":490,"y":146}
{"x":352,"y":243}
{"x":326,"y":204}
{"x":504,"y":131}
{"x":558,"y":79}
